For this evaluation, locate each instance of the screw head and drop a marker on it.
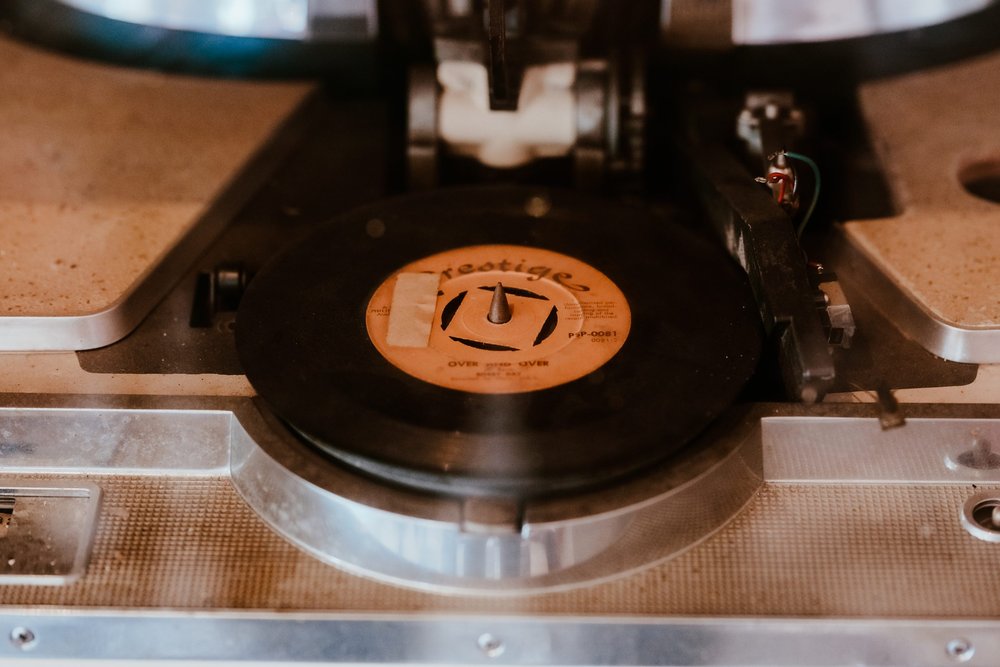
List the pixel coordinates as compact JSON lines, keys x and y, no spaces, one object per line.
{"x":23,"y":638}
{"x":960,"y":649}
{"x":491,"y":645}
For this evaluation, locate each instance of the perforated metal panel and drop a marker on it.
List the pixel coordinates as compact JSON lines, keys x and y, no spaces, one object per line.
{"x":797,"y":549}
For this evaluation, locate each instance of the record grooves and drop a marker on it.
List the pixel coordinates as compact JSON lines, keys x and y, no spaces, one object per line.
{"x":373,"y":339}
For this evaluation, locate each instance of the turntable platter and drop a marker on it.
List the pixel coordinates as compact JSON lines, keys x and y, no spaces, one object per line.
{"x":499,"y":341}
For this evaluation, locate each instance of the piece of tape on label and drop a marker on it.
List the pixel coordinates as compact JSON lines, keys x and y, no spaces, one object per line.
{"x":411,"y":315}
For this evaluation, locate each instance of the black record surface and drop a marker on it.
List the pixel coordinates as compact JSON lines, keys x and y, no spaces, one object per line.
{"x":694,"y":342}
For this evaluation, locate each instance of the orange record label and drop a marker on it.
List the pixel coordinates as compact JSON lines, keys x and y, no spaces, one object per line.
{"x":431,"y":319}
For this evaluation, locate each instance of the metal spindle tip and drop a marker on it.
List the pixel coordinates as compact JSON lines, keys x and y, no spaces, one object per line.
{"x":499,"y":306}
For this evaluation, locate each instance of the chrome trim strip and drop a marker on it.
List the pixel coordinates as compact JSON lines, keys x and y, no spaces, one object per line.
{"x":854,"y":450}
{"x":114,"y":441}
{"x":58,"y":638}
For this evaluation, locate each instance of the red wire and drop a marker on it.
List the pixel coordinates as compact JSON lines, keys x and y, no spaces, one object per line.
{"x":784,"y":179}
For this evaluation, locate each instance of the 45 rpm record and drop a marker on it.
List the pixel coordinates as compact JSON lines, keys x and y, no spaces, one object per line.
{"x":499,"y":340}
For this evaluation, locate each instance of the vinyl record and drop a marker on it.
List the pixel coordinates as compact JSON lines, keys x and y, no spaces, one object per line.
{"x":383,"y":339}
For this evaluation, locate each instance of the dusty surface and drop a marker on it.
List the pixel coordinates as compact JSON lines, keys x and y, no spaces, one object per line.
{"x":985,"y":389}
{"x":882,"y":550}
{"x":928,"y":128}
{"x":60,"y":373}
{"x":104,"y":169}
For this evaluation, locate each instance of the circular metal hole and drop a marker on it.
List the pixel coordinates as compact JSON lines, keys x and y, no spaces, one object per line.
{"x":490,"y":645}
{"x":982,"y":179}
{"x":960,"y":649}
{"x":981,"y":516}
{"x":23,"y":638}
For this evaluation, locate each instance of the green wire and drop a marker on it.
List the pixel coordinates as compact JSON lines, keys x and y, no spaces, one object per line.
{"x":816,"y":178}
